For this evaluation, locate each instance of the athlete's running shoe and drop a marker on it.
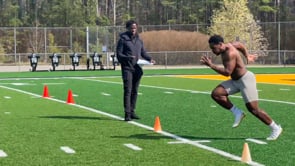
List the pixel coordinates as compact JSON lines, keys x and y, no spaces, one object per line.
{"x":238,"y":118}
{"x":275,"y":133}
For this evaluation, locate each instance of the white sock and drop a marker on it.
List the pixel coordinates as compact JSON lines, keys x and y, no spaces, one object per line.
{"x":273,"y":125}
{"x":235,"y":110}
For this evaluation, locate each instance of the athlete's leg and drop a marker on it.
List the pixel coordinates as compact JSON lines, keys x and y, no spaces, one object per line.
{"x":220,"y":95}
{"x":250,"y":96}
{"x":259,"y":113}
{"x":276,"y":129}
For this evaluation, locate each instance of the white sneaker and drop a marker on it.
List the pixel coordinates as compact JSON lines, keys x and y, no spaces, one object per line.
{"x":275,"y":133}
{"x":238,"y":118}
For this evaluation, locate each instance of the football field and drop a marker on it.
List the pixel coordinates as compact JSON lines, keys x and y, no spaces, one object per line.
{"x":38,"y":130}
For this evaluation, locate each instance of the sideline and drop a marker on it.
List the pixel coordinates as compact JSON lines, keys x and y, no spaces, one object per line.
{"x":214,"y":150}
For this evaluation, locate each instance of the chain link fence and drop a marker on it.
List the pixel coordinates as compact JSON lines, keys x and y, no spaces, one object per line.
{"x":164,"y":60}
{"x":17,"y":43}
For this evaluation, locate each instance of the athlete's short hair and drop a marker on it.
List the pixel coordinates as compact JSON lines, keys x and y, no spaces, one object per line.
{"x":215,"y":39}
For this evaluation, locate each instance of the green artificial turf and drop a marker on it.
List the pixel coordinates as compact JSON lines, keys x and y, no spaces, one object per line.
{"x":34,"y":128}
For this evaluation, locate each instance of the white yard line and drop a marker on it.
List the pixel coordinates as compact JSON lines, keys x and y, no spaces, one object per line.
{"x":67,"y":149}
{"x":3,"y":154}
{"x":133,"y":147}
{"x":282,"y":89}
{"x":53,"y":83}
{"x":256,"y":141}
{"x":183,"y":90}
{"x":105,"y":94}
{"x":193,"y":143}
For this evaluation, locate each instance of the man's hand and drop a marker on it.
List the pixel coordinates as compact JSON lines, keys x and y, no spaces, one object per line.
{"x":251,"y":58}
{"x":153,"y":62}
{"x":206,"y":60}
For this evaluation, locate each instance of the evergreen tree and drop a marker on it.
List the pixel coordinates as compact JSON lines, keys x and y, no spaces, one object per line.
{"x":69,"y":13}
{"x":235,"y":22}
{"x":9,"y":14}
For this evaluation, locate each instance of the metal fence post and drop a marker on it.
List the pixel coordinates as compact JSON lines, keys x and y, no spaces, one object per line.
{"x":166,"y":60}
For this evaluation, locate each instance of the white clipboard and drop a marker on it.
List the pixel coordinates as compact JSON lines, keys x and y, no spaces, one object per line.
{"x":142,"y":62}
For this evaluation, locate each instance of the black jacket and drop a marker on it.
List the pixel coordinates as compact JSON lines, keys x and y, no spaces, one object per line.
{"x":128,"y":47}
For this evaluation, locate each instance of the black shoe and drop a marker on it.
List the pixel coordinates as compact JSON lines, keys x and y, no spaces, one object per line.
{"x":127,"y":117}
{"x":134,"y":116}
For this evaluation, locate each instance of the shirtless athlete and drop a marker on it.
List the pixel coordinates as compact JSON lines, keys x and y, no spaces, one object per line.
{"x":241,"y":80}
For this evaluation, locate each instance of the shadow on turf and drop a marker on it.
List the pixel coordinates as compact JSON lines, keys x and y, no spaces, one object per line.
{"x":75,"y":117}
{"x":143,"y":136}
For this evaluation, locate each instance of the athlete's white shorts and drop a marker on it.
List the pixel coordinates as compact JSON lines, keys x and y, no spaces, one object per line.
{"x":246,"y":85}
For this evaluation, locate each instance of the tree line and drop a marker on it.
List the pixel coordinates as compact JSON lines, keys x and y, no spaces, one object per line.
{"x":59,"y":25}
{"x":80,"y":13}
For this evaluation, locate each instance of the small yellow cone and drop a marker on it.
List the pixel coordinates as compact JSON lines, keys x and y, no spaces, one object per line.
{"x":246,"y":156}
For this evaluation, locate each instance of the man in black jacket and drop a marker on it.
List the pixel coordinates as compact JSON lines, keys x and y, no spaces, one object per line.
{"x":129,"y":49}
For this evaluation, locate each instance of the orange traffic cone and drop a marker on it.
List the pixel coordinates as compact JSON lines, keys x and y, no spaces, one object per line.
{"x":45,"y":91}
{"x":70,"y":99}
{"x":157,"y":125}
{"x":246,"y":156}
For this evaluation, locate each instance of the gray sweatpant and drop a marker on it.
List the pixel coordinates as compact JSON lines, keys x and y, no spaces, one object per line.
{"x":246,"y":85}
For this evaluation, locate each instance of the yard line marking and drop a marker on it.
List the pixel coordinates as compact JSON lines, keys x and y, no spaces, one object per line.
{"x":105,"y":94}
{"x":61,"y":101}
{"x":142,"y":85}
{"x":57,"y":83}
{"x":211,"y":149}
{"x":167,"y":92}
{"x":181,"y":142}
{"x":183,"y":90}
{"x":256,"y":141}
{"x":7,"y":112}
{"x":7,"y":97}
{"x":67,"y":149}
{"x":19,"y":84}
{"x":206,"y":92}
{"x":284,"y":89}
{"x":36,"y":78}
{"x":133,"y":147}
{"x":214,"y":150}
{"x":3,"y":154}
